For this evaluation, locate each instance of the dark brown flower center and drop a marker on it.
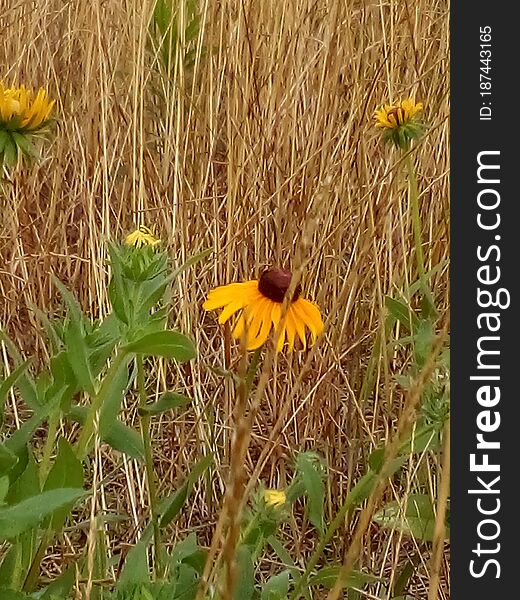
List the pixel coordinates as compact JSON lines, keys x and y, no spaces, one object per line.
{"x":398,"y":114}
{"x":275,"y":282}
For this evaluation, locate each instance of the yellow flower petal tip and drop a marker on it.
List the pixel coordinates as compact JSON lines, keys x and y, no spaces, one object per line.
{"x":258,"y":304}
{"x":143,"y":236}
{"x":275,"y":498}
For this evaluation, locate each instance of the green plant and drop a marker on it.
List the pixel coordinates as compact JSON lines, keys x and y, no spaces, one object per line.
{"x":92,"y":366}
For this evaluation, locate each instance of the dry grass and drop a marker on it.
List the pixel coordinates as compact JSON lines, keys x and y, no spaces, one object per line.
{"x":264,"y":150}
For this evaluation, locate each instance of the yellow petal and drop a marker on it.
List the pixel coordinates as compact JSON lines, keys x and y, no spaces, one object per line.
{"x":255,"y":318}
{"x":310,"y":315}
{"x":224,"y":294}
{"x":299,"y":324}
{"x":290,"y":328}
{"x":281,"y":339}
{"x":229,"y":311}
{"x":239,"y":327}
{"x":265,"y":328}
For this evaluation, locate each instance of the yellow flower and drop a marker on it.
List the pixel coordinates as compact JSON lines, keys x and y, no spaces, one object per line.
{"x":275,"y":498}
{"x":21,"y":111}
{"x":259,"y":303}
{"x":399,"y":121}
{"x":143,"y":236}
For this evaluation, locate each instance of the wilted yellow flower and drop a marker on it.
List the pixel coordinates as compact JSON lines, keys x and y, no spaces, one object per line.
{"x":21,"y":111}
{"x":275,"y":498}
{"x":143,"y":236}
{"x":400,"y":121}
{"x":259,"y":303}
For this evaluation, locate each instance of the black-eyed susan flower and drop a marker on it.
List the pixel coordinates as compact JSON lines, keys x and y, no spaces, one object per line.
{"x":259,"y":304}
{"x":23,"y":116}
{"x":143,"y":236}
{"x":400,"y":122}
{"x":275,"y":498}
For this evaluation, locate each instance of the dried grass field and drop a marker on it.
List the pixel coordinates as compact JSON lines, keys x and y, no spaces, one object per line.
{"x":245,"y":128}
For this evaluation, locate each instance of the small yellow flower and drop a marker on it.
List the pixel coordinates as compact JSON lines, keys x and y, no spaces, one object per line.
{"x":22,"y":111}
{"x":400,"y":121}
{"x":259,"y":303}
{"x":275,"y":498}
{"x":143,"y":236}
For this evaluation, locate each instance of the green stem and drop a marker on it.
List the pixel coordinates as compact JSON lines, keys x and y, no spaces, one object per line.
{"x":416,"y":218}
{"x":252,"y":369}
{"x":148,"y":463}
{"x":96,"y":404}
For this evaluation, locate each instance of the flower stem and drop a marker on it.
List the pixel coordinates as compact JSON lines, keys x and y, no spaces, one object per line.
{"x":416,"y":217}
{"x":148,"y":464}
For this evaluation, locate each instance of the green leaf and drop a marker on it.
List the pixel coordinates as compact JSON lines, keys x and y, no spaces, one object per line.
{"x":421,"y":439}
{"x":113,"y":395}
{"x":363,"y":488}
{"x":276,"y":587}
{"x":7,"y":594}
{"x":310,"y":470}
{"x":245,"y":587}
{"x":404,"y":576}
{"x":327,"y":577}
{"x":190,"y":262}
{"x":24,"y":383}
{"x":23,"y":144}
{"x":20,"y":437}
{"x":168,"y":401}
{"x":168,"y":344}
{"x":27,"y":484}
{"x":376,"y":459}
{"x":416,"y":520}
{"x":3,"y":138}
{"x":125,"y":439}
{"x":4,"y":488}
{"x":120,"y":437}
{"x":187,"y":547}
{"x":54,"y":339}
{"x":74,"y":339}
{"x":10,"y":152}
{"x":61,"y":586}
{"x":423,"y":342}
{"x":7,"y":459}
{"x":401,"y":312}
{"x":171,"y":506}
{"x":66,"y":472}
{"x":135,"y":570}
{"x":7,"y":383}
{"x":29,"y":513}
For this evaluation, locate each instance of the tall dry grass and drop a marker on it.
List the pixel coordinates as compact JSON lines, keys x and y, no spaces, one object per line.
{"x":263,"y":149}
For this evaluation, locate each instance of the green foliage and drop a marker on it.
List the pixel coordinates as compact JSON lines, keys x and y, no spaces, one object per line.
{"x":416,"y":518}
{"x":16,"y":519}
{"x":167,"y":37}
{"x":88,"y":375}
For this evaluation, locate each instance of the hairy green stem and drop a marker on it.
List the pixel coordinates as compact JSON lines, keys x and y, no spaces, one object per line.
{"x":416,"y":218}
{"x":148,"y":465}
